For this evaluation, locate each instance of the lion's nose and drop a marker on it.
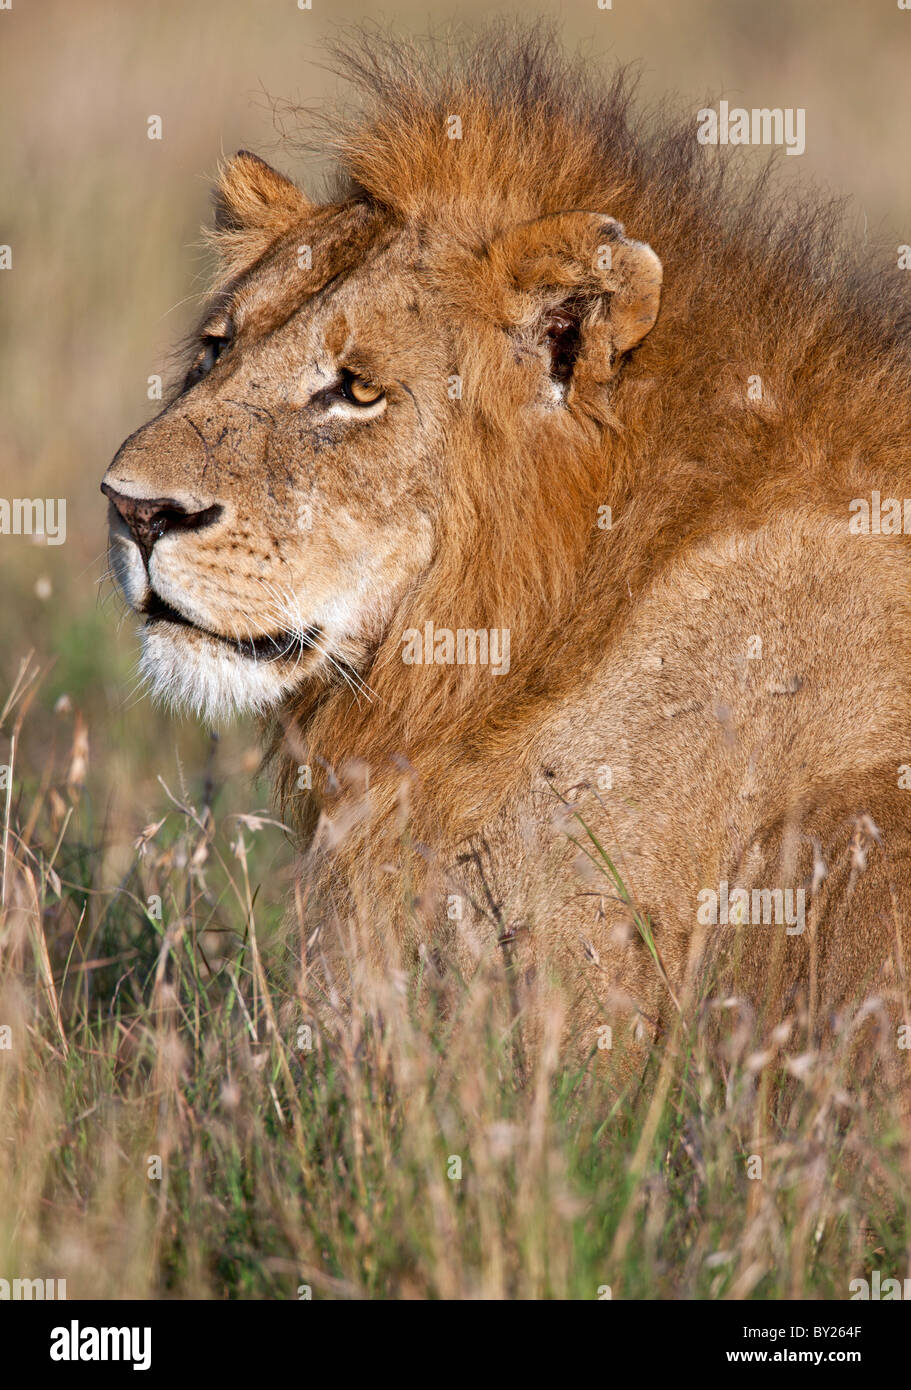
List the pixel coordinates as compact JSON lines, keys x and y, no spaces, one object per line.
{"x":149,"y":518}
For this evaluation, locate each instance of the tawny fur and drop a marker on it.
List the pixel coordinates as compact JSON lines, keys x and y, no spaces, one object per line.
{"x":632,"y":647}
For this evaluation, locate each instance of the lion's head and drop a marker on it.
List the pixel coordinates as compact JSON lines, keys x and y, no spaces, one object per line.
{"x":361,"y":366}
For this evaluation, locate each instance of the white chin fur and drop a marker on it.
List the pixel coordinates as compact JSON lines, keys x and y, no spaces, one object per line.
{"x":187,"y":670}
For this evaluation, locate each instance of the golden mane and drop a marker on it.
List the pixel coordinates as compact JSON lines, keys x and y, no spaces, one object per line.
{"x":755,"y":283}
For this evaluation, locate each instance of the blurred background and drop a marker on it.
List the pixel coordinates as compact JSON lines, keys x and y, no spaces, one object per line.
{"x":107,"y":271}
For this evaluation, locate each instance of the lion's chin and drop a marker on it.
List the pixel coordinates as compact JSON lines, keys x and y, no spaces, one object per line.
{"x":186,"y":669}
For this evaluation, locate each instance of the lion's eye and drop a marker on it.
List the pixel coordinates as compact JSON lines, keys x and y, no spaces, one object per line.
{"x":358,"y":391}
{"x":213,"y":345}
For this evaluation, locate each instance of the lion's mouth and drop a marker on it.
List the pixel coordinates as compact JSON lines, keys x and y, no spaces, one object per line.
{"x":270,"y":647}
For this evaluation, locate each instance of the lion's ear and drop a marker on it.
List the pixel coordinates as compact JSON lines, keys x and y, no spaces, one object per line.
{"x":254,"y":205}
{"x":251,"y":195}
{"x":578,"y":284}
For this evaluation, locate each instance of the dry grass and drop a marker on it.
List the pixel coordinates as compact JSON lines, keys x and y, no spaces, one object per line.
{"x":386,"y":1147}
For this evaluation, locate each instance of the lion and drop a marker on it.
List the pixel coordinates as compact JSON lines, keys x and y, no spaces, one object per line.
{"x":519,"y":488}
